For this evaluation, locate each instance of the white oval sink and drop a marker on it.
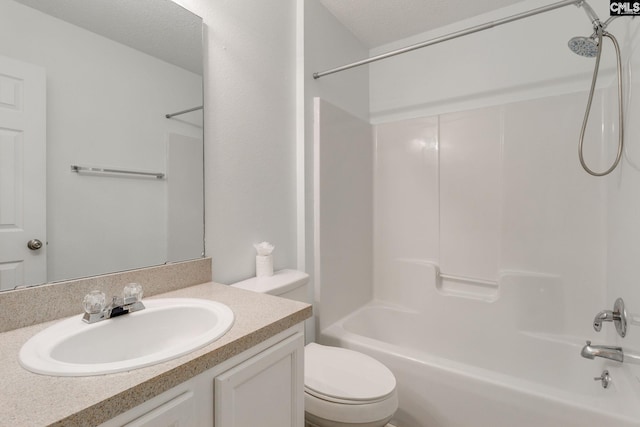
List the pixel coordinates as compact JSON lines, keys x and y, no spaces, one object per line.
{"x":167,"y":328}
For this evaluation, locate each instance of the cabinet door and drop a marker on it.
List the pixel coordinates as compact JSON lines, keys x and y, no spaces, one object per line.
{"x":177,"y":412}
{"x":266,"y":390}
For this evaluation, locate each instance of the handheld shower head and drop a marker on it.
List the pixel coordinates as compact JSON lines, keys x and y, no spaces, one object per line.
{"x":584,"y":46}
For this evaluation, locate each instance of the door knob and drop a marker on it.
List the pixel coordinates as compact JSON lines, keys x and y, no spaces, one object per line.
{"x":34,"y":244}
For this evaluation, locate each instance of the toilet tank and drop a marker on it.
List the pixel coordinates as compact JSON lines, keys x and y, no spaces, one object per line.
{"x":291,"y":284}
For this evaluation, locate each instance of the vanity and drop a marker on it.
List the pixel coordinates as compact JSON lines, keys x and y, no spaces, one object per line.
{"x":252,"y":375}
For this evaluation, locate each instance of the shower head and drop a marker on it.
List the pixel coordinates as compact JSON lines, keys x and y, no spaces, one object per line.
{"x":584,"y":46}
{"x":587,"y":46}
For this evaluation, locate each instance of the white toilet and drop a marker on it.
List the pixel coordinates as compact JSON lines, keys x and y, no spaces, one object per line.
{"x":342,"y":387}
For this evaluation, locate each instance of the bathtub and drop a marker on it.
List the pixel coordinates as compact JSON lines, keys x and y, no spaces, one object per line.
{"x":487,"y":377}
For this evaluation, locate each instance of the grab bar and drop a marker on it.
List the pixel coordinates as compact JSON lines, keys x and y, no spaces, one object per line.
{"x":96,"y":170}
{"x":483,"y":282}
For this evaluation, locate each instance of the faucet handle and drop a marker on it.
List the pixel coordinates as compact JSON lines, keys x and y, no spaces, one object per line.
{"x":588,"y":342}
{"x":94,"y":302}
{"x":618,"y":316}
{"x":132,"y":292}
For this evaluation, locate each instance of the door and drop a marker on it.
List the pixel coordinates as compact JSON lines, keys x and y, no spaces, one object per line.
{"x":22,"y":174}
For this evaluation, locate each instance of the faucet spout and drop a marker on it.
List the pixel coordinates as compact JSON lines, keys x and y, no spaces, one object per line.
{"x":120,"y":306}
{"x":607,"y":352}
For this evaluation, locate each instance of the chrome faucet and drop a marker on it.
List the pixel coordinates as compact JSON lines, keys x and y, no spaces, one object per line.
{"x":95,"y":308}
{"x":618,"y":316}
{"x":592,"y":351}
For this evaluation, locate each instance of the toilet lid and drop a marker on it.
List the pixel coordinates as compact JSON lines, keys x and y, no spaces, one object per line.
{"x":342,"y":375}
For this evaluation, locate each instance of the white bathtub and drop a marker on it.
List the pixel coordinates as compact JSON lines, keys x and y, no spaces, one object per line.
{"x":487,"y":377}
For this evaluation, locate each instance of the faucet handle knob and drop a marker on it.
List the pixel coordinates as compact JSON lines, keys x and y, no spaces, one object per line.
{"x":588,"y":342}
{"x":133,"y":292}
{"x":94,"y":302}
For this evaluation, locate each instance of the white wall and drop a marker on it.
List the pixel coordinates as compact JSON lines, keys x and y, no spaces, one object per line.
{"x":258,"y":129}
{"x":517,"y":61}
{"x":96,"y":224}
{"x":326,"y":43}
{"x":250,"y":119}
{"x":434,"y":81}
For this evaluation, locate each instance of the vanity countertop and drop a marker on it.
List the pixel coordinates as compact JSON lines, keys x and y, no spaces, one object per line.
{"x":28,"y":399}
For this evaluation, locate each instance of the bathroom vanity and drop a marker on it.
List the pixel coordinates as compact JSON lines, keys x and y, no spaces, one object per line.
{"x":260,"y":386}
{"x":250,"y":376}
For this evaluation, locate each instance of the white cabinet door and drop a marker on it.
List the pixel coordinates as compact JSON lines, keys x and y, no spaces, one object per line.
{"x":266,"y":390}
{"x":260,"y":387}
{"x":178,"y":412}
{"x":22,"y":173}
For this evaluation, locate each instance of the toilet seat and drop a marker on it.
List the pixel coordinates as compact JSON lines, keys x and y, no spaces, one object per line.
{"x":346,"y":386}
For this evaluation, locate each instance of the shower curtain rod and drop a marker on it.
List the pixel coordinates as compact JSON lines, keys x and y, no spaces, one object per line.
{"x":168,"y":116}
{"x":460,"y":33}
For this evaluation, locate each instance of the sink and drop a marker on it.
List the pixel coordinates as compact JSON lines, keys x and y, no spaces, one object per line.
{"x":166,"y":329}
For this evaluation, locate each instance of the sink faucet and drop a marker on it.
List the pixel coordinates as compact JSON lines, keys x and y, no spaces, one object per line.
{"x":592,"y":351}
{"x":95,"y":308}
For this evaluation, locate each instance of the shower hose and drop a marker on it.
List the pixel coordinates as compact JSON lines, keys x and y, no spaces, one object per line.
{"x":601,"y":33}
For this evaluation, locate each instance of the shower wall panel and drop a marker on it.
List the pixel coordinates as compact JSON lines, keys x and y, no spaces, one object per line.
{"x":496,"y":200}
{"x":405,"y":203}
{"x":470,"y":196}
{"x":343,"y":218}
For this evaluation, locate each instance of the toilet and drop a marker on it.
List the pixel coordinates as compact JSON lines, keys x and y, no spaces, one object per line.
{"x":342,"y":387}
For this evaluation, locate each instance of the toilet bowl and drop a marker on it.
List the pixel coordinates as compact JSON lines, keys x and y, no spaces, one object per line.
{"x":346,"y":388}
{"x":342,"y":387}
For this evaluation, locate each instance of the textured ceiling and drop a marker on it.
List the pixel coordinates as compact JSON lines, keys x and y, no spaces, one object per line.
{"x":378,"y":22}
{"x":157,"y":27}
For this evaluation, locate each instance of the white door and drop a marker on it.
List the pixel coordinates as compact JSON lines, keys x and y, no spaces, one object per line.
{"x":22,"y":173}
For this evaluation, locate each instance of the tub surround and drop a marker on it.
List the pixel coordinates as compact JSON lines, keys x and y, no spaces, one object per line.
{"x":32,"y":399}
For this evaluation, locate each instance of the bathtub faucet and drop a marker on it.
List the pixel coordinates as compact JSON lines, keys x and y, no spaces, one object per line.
{"x":618,"y":316}
{"x":592,"y":351}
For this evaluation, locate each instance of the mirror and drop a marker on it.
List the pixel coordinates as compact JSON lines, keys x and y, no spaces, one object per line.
{"x":94,"y":177}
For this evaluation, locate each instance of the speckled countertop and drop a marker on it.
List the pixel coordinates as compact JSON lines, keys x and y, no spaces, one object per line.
{"x":28,"y":399}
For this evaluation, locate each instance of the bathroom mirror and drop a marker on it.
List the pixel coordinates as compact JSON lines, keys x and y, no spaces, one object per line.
{"x":94,"y":178}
